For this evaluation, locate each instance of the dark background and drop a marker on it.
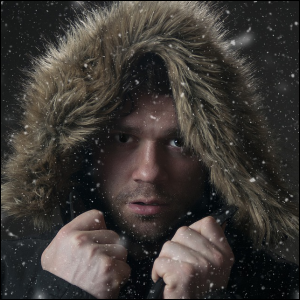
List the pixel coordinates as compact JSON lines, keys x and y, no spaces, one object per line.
{"x":266,"y":32}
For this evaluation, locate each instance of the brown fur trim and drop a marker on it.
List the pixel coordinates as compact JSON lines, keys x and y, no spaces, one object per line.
{"x":72,"y":90}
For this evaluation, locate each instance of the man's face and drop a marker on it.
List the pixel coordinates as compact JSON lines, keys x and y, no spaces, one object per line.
{"x":146,"y":180}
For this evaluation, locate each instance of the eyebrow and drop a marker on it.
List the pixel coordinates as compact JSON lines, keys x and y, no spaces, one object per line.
{"x":136,"y":130}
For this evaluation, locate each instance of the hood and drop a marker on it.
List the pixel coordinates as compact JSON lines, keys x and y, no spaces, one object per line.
{"x":72,"y":90}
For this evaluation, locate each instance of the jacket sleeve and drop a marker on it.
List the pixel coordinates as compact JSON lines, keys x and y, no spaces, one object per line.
{"x":49,"y":286}
{"x":22,"y":276}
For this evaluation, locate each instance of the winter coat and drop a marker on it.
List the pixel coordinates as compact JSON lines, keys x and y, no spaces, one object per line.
{"x":71,"y":93}
{"x":255,"y":274}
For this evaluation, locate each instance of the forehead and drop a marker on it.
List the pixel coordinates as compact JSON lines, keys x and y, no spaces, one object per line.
{"x":152,"y":106}
{"x":144,"y":102}
{"x":151,"y":112}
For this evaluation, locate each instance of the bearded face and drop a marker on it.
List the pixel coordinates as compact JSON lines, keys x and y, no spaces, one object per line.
{"x":147,"y":180}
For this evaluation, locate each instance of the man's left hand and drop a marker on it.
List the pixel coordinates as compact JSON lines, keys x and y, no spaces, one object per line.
{"x":197,"y":260}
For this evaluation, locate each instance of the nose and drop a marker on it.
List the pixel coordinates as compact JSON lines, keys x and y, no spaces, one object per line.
{"x":150,"y":164}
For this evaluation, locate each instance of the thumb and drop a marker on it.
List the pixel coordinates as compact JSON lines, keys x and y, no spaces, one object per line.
{"x":89,"y":220}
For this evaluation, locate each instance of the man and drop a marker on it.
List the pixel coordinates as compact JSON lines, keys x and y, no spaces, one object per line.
{"x":150,"y":123}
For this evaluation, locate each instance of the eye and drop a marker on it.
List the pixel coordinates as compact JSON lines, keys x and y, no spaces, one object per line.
{"x":122,"y":138}
{"x":177,"y":143}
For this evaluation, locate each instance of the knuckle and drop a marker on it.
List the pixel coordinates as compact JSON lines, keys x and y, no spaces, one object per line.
{"x":97,"y":215}
{"x":167,"y":245}
{"x":208,"y":221}
{"x":80,"y":239}
{"x":62,"y":233}
{"x":157,"y":263}
{"x":107,"y":264}
{"x":121,"y":273}
{"x":123,"y":251}
{"x":218,"y":258}
{"x":182,"y":230}
{"x":187,"y":269}
{"x":204,"y":265}
{"x":112,"y":234}
{"x":125,"y":271}
{"x":119,"y":250}
{"x":93,"y":251}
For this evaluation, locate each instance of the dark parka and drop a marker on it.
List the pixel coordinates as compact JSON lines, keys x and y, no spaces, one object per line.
{"x":75,"y":87}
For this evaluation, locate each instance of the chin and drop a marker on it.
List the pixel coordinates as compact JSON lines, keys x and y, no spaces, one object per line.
{"x":143,"y":229}
{"x":146,"y":230}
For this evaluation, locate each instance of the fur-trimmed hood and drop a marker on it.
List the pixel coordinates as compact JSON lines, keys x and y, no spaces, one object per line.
{"x":74,"y":87}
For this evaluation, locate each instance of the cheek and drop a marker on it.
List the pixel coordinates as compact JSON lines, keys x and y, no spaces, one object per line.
{"x":191,"y":175}
{"x":113,"y":171}
{"x":190,"y":169}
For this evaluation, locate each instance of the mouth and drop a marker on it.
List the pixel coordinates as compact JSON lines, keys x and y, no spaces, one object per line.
{"x":147,"y":207}
{"x":142,"y":203}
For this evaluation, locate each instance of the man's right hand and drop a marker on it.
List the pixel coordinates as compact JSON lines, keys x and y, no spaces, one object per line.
{"x":87,"y":255}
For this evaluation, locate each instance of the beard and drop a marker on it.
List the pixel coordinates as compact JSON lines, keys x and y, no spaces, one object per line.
{"x":151,"y":229}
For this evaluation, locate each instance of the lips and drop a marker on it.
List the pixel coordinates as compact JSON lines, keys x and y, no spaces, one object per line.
{"x":148,"y":202}
{"x":142,"y":203}
{"x":147,"y":207}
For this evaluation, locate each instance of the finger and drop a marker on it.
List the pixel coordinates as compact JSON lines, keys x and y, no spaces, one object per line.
{"x":90,"y":220}
{"x":99,"y":236}
{"x":184,"y":253}
{"x":193,"y":248}
{"x":114,"y":251}
{"x":211,"y":230}
{"x":192,"y":239}
{"x":123,"y":271}
{"x":173,"y":272}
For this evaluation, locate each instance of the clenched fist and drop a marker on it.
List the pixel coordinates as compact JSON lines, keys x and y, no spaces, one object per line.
{"x":197,"y":260}
{"x":87,"y":255}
